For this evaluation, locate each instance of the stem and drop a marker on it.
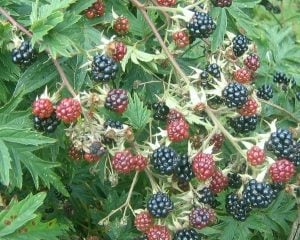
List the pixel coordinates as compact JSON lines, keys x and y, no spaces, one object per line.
{"x":281,"y":109}
{"x":141,"y":7}
{"x":61,"y":72}
{"x":125,"y":204}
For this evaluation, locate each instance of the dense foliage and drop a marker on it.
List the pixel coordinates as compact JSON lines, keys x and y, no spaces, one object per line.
{"x":167,"y":119}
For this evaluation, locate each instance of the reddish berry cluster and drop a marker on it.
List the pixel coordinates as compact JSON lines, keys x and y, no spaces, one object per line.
{"x":68,"y":110}
{"x":217,"y":140}
{"x":243,"y":76}
{"x":117,"y":100}
{"x":166,"y":3}
{"x":117,"y":50}
{"x":256,"y":156}
{"x":121,"y":25}
{"x":158,"y":232}
{"x":181,"y":39}
{"x":282,"y":170}
{"x":201,"y":217}
{"x":96,"y":10}
{"x":249,"y":108}
{"x":126,"y":162}
{"x":218,"y":182}
{"x":42,"y":108}
{"x":178,"y":130}
{"x":203,"y":166}
{"x":143,"y":221}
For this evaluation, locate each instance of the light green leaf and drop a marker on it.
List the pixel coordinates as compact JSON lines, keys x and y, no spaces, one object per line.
{"x":5,"y":163}
{"x":219,"y":33}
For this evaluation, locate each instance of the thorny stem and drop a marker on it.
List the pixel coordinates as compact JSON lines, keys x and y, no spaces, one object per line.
{"x":141,"y":7}
{"x":281,"y":109}
{"x":153,"y":183}
{"x":61,"y":72}
{"x":126,"y":204}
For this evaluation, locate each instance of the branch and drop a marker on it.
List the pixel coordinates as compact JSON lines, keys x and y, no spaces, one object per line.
{"x":60,"y":70}
{"x":280,"y":109}
{"x":178,"y":69}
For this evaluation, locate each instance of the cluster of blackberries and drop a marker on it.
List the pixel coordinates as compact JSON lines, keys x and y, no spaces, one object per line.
{"x":24,"y":55}
{"x":104,"y":68}
{"x":282,"y":145}
{"x":161,"y":111}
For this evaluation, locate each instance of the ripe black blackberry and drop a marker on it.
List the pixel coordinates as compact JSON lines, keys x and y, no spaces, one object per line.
{"x":243,"y":124}
{"x":97,"y":149}
{"x":281,"y":78}
{"x":234,"y":180}
{"x":277,"y":188}
{"x":113,"y":124}
{"x":214,"y":70}
{"x":206,"y":196}
{"x":235,"y":95}
{"x":294,"y":156}
{"x":164,"y":160}
{"x":187,"y":234}
{"x":183,"y":170}
{"x":240,"y":45}
{"x":47,"y":125}
{"x":221,"y":3}
{"x":116,"y":100}
{"x":281,"y":143}
{"x":161,"y":111}
{"x":104,"y":68}
{"x":258,"y":194}
{"x":265,"y":92}
{"x":159,"y":205}
{"x":201,"y":25}
{"x":238,"y":208}
{"x":24,"y":55}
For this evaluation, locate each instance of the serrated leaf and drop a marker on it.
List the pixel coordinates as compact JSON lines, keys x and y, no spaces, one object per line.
{"x":18,"y":214}
{"x":219,"y":33}
{"x":5,"y":163}
{"x":137,"y":114}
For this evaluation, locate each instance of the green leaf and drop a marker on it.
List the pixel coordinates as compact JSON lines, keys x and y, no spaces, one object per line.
{"x":137,"y":114}
{"x":39,"y":168}
{"x":5,"y":163}
{"x":23,"y":136}
{"x":18,"y":214}
{"x":219,"y":33}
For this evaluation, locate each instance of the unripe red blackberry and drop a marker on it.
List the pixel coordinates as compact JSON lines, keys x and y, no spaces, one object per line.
{"x":243,"y":76}
{"x":121,"y":25}
{"x":91,"y":158}
{"x":68,"y":110}
{"x":203,"y":166}
{"x":140,"y":162}
{"x":252,"y":62}
{"x":217,"y":140}
{"x":158,"y":232}
{"x":249,"y":108}
{"x":218,"y":182}
{"x":181,"y":39}
{"x":74,"y":153}
{"x":166,"y":3}
{"x":174,"y":115}
{"x":42,"y":108}
{"x":123,"y":162}
{"x":282,"y":170}
{"x":256,"y":156}
{"x":222,"y":3}
{"x":117,"y":51}
{"x":201,"y":217}
{"x":96,"y":10}
{"x":117,"y":100}
{"x":143,"y":221}
{"x":178,"y":130}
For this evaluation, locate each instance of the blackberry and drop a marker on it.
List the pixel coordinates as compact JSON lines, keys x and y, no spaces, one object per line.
{"x":113,"y":124}
{"x":281,"y":143}
{"x":204,"y":77}
{"x":277,"y":188}
{"x":200,"y":217}
{"x":234,"y":180}
{"x":187,"y":234}
{"x":221,"y":3}
{"x":258,"y":194}
{"x":164,"y":160}
{"x":240,"y":45}
{"x":243,"y":124}
{"x":47,"y":125}
{"x":294,"y":156}
{"x":24,"y":55}
{"x":161,"y":111}
{"x":142,"y":237}
{"x":238,"y":208}
{"x":183,"y":170}
{"x":201,"y":25}
{"x":104,"y":68}
{"x":117,"y":100}
{"x":159,"y":205}
{"x":235,"y":95}
{"x":214,"y":70}
{"x":97,"y":149}
{"x":206,"y":196}
{"x":281,"y":78}
{"x":265,"y":92}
